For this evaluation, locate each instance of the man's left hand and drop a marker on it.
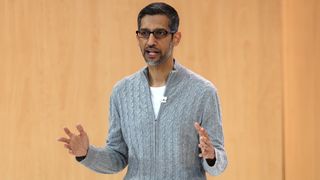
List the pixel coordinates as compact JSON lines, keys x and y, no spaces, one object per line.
{"x":206,"y":146}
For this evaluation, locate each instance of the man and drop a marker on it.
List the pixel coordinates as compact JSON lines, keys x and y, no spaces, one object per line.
{"x":164,"y":120}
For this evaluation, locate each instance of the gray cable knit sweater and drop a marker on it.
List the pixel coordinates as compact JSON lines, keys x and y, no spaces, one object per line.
{"x":166,"y":147}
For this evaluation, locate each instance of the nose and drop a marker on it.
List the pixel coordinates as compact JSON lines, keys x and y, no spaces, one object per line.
{"x":151,"y":40}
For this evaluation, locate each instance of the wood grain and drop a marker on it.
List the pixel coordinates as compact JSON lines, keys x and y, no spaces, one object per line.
{"x":302,"y":89}
{"x":60,"y":60}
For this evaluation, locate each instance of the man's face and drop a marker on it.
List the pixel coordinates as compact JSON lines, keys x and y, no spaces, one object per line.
{"x":156,"y":50}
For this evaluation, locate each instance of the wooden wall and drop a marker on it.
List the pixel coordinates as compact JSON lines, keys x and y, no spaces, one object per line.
{"x":301,"y":56}
{"x":60,"y":59}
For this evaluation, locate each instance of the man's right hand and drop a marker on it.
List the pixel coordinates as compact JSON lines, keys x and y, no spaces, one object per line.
{"x":77,"y":145}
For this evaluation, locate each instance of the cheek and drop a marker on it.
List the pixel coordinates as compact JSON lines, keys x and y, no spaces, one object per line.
{"x":169,"y":46}
{"x":141,"y":46}
{"x":139,"y":41}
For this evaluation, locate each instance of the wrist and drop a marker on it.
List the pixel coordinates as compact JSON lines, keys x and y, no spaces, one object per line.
{"x":211,"y":162}
{"x":80,"y":158}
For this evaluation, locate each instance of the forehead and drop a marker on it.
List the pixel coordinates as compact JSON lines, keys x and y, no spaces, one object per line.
{"x":154,"y":22}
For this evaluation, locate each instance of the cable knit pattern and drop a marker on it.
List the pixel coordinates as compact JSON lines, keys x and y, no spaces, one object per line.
{"x":166,"y":147}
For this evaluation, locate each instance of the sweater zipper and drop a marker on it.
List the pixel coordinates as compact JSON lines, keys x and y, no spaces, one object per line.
{"x":156,"y":126}
{"x":154,"y":169}
{"x":164,"y":95}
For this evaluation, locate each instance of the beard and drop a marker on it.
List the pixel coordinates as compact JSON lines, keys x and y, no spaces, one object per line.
{"x":163,"y":56}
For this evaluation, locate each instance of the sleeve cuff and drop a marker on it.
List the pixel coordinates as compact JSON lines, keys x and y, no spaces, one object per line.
{"x":219,"y":165}
{"x":211,"y":162}
{"x":90,"y":158}
{"x":80,"y":158}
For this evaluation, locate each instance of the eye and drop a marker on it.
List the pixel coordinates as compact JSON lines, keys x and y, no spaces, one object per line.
{"x":144,"y":33}
{"x":160,"y":33}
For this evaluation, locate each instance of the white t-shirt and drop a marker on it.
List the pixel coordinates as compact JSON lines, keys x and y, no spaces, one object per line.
{"x":157,"y":97}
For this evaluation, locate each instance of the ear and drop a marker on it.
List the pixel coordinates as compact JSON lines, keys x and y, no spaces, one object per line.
{"x":138,"y":41}
{"x":176,"y":38}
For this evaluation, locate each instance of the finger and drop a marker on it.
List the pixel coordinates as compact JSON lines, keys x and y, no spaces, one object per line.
{"x":71,"y":152}
{"x":203,"y":132}
{"x":80,"y":129}
{"x":67,"y":146}
{"x":205,"y":141}
{"x":67,"y":131}
{"x":203,"y":146}
{"x":65,"y":140}
{"x":207,"y":148}
{"x":198,"y":128}
{"x":205,"y":153}
{"x":208,"y":154}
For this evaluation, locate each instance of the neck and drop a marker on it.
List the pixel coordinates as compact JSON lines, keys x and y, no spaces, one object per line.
{"x":158,"y":75}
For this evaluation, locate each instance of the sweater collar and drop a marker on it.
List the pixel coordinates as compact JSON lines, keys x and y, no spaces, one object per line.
{"x":175,"y":64}
{"x":174,"y":75}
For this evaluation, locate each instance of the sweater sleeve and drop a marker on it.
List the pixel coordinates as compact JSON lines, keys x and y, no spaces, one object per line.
{"x":114,"y":156}
{"x":211,"y":121}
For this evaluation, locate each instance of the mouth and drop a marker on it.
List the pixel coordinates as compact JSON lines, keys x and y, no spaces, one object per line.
{"x":152,"y":52}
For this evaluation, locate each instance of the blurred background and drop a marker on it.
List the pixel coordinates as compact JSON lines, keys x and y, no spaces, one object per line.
{"x":59,"y":60}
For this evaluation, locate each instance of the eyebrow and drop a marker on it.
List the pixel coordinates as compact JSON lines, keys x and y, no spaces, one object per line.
{"x":146,"y":29}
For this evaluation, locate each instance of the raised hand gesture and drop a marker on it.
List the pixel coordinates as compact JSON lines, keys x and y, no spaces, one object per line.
{"x":206,"y":146}
{"x":76,"y":144}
